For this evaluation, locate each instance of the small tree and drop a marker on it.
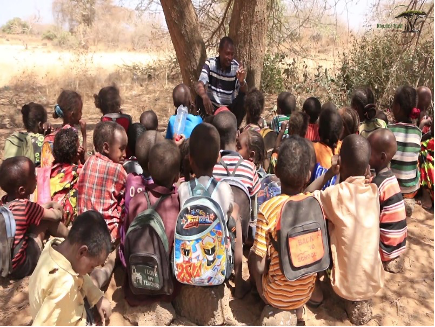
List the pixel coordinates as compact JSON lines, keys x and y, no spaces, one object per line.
{"x":15,"y":26}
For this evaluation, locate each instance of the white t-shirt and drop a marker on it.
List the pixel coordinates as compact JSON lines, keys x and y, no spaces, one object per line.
{"x":222,"y":194}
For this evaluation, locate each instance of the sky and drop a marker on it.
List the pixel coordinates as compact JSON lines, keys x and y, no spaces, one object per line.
{"x":25,"y":9}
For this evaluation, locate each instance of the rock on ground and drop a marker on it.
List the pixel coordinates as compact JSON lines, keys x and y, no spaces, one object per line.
{"x":201,"y":305}
{"x":359,"y":312}
{"x":276,"y":317}
{"x":156,"y":314}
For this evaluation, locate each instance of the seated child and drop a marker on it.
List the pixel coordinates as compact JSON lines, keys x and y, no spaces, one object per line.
{"x":329,"y":106}
{"x":204,"y":153}
{"x":108,"y":101}
{"x":293,"y":170}
{"x":131,"y":165}
{"x":164,"y":167}
{"x":426,"y":163}
{"x":29,"y":143}
{"x":330,"y":130}
{"x":101,"y":183}
{"x":149,"y":120}
{"x":181,"y":96}
{"x":232,"y":163}
{"x":60,"y":290}
{"x":424,"y":102}
{"x":254,"y":107}
{"x":382,"y":116}
{"x":363,"y":101}
{"x":65,"y":173}
{"x":136,"y":182}
{"x":393,"y":216}
{"x":286,"y":104}
{"x":405,"y":162}
{"x":101,"y":187}
{"x":250,"y":146}
{"x":69,"y":107}
{"x":352,"y":210}
{"x":350,"y":121}
{"x":312,"y":108}
{"x":33,"y":222}
{"x":297,"y":125}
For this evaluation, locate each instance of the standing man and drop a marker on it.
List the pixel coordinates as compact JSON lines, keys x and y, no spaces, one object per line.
{"x":225,"y":81}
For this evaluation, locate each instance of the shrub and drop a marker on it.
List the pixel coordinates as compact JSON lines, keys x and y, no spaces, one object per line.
{"x":49,"y":35}
{"x":272,"y":80}
{"x":15,"y":26}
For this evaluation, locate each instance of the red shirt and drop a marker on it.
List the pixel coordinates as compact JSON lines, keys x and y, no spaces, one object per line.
{"x":25,"y":213}
{"x":101,"y":188}
{"x":313,"y":133}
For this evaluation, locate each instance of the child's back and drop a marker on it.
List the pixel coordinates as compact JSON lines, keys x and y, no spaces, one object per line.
{"x":352,"y":209}
{"x":312,"y":108}
{"x":232,"y":164}
{"x":181,"y":97}
{"x":163,"y":196}
{"x":286,"y":104}
{"x":29,"y":143}
{"x":408,"y":136}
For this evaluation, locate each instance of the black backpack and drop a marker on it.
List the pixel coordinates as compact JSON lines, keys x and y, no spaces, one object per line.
{"x":302,"y":237}
{"x":147,"y":253}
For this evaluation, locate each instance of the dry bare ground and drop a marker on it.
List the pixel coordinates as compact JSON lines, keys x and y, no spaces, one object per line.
{"x":407,"y":298}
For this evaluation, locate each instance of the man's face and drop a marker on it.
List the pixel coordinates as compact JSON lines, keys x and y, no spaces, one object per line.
{"x":226,"y":55}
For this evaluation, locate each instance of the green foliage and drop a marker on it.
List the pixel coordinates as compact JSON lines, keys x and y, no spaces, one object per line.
{"x":49,"y":35}
{"x":384,"y":63}
{"x":272,"y":80}
{"x":15,"y":26}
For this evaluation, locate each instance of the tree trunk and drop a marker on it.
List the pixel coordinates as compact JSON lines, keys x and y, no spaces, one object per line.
{"x":185,"y":34}
{"x":248,"y":28}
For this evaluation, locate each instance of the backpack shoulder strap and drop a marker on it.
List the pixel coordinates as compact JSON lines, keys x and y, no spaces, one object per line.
{"x":222,"y":162}
{"x":237,"y":166}
{"x":147,"y":198}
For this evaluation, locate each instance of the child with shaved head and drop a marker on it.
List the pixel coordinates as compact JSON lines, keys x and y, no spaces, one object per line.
{"x":424,"y":103}
{"x":393,"y":230}
{"x":352,"y":210}
{"x":181,"y":96}
{"x":164,"y":168}
{"x":204,"y":153}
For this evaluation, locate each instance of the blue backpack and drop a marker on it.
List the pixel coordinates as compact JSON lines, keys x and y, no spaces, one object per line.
{"x":7,"y":238}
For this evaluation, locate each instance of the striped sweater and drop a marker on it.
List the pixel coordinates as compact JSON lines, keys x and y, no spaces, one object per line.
{"x":405,"y":162}
{"x":393,"y":229}
{"x":245,"y":172}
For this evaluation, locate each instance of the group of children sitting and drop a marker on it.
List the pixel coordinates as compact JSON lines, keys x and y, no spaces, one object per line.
{"x":180,"y":209}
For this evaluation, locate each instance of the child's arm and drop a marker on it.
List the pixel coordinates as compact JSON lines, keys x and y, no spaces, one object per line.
{"x":82,"y":156}
{"x":52,"y":211}
{"x":96,"y":297}
{"x":322,"y":180}
{"x":281,"y":134}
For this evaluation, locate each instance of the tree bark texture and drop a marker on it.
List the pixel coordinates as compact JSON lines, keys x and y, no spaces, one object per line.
{"x":248,"y":28}
{"x":185,"y":34}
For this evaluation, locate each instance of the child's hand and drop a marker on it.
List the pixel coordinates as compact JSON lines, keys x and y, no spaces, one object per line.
{"x":283,"y":126}
{"x":47,"y":128}
{"x":104,"y":309}
{"x":179,"y":139}
{"x":83,"y":127}
{"x":52,"y":205}
{"x":335,"y":164}
{"x":80,"y":155}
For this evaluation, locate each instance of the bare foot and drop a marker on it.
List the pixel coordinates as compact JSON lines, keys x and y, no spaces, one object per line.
{"x":242,"y":289}
{"x":426,"y":201}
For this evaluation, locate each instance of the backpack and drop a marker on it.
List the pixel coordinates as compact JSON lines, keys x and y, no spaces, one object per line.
{"x":241,"y":194}
{"x":147,"y":253}
{"x":19,"y":144}
{"x":270,"y":186}
{"x":7,"y":238}
{"x":202,"y":246}
{"x":302,"y":245}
